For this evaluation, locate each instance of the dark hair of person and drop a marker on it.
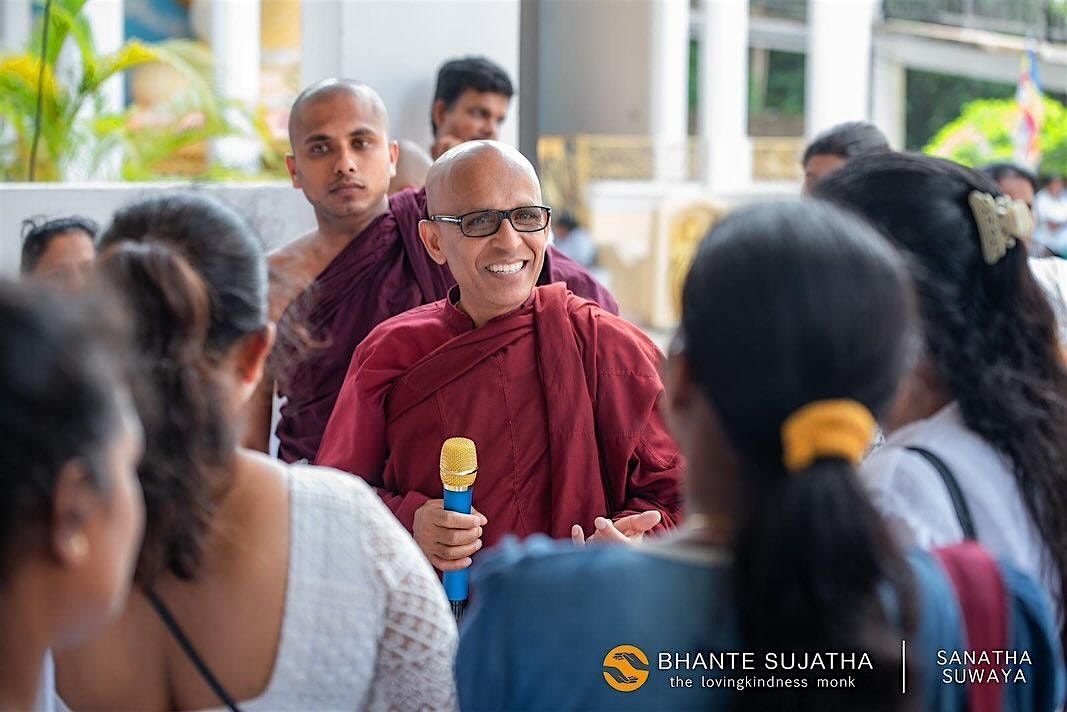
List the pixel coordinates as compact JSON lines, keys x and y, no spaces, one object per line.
{"x":566,"y":220}
{"x":847,"y":140}
{"x":989,"y":329}
{"x":777,"y":313}
{"x":195,"y":276}
{"x":998,"y":171}
{"x":60,"y":376}
{"x":458,"y":75}
{"x":36,"y":236}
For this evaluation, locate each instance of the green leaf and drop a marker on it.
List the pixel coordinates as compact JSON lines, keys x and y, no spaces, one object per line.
{"x":72,"y":133}
{"x":130,"y":55}
{"x":78,"y":28}
{"x":65,"y":14}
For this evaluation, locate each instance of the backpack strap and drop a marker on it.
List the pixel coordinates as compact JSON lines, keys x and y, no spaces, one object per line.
{"x":983,"y":601}
{"x":963,"y":512}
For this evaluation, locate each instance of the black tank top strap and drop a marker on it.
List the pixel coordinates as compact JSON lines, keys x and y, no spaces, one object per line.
{"x":187,"y":646}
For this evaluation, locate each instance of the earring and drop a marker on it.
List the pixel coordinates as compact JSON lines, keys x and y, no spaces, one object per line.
{"x":78,"y":545}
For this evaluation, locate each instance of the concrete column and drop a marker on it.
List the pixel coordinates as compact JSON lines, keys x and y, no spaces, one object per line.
{"x":888,"y":98}
{"x":321,"y":51}
{"x":669,"y":87}
{"x":724,"y":95}
{"x":234,"y":34}
{"x":837,"y":75}
{"x":15,"y":22}
{"x":107,"y":20}
{"x":530,"y":83}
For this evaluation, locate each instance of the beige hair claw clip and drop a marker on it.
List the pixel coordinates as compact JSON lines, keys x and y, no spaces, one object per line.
{"x":1001,"y":221}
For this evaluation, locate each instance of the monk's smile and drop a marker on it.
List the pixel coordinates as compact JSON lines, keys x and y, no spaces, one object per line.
{"x":507,"y":269}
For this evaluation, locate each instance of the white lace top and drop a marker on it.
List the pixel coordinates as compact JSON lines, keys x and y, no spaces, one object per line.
{"x":366,"y":623}
{"x":1051,"y":274}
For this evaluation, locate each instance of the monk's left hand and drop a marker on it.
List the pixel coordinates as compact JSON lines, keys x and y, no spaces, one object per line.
{"x":627,"y":530}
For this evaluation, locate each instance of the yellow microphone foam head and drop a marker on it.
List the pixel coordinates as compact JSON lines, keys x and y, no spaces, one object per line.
{"x":459,"y":463}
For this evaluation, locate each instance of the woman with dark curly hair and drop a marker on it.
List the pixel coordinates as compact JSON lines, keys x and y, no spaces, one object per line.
{"x":978,"y":435}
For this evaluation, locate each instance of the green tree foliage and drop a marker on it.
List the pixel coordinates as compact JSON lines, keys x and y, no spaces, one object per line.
{"x":983,"y":134}
{"x":932,"y":100}
{"x":76,"y":128}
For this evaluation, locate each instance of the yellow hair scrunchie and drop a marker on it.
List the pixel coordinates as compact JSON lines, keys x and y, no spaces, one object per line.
{"x":829,"y":428}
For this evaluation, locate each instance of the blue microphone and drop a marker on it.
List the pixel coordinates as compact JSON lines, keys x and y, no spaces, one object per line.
{"x":459,"y":468}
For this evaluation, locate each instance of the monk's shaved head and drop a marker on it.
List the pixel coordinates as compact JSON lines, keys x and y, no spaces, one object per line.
{"x":451,"y":174}
{"x":329,"y":88}
{"x":495,"y":271}
{"x":411,"y":168}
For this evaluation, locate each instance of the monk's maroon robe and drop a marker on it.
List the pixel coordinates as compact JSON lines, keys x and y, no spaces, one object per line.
{"x":383,"y":272}
{"x":559,"y":396}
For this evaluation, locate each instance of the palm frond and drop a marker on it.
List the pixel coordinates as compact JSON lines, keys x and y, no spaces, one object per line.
{"x":65,"y":17}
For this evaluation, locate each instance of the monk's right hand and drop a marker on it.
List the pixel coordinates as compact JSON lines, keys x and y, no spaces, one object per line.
{"x":448,"y":539}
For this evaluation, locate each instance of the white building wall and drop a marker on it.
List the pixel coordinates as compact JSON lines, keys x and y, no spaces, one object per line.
{"x":278,"y":211}
{"x":594,"y":66}
{"x":397,"y":46}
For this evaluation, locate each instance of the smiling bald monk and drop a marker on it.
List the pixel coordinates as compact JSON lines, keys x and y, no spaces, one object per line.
{"x":560,"y":396}
{"x":361,"y":265}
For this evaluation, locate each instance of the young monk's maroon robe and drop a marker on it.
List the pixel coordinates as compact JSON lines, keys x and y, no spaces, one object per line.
{"x":559,"y":396}
{"x":383,"y":272}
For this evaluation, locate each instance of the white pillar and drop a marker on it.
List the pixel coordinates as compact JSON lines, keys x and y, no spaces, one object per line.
{"x":107,"y":20}
{"x":669,"y":88}
{"x":888,"y":98}
{"x":15,"y":23}
{"x":837,"y":75}
{"x":724,"y":95}
{"x":321,"y":50}
{"x":234,"y":38}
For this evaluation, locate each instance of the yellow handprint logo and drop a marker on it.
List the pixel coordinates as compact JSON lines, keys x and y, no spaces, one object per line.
{"x":625,"y":668}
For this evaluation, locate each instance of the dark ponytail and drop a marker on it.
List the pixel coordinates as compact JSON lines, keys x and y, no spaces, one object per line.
{"x":787,"y":305}
{"x":187,"y":437}
{"x":195,"y":278}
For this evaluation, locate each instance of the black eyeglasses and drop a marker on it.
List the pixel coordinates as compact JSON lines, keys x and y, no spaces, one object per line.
{"x":483,"y":223}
